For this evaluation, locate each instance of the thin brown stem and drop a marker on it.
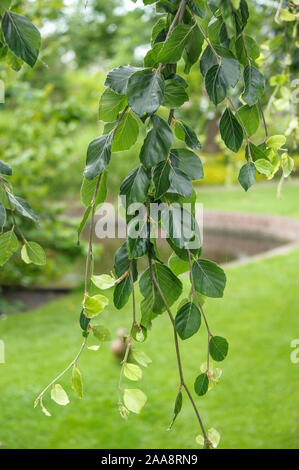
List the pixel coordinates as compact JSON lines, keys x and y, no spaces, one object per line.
{"x":177,"y":20}
{"x":249,"y":59}
{"x":73,"y":363}
{"x":194,"y":292}
{"x":264,"y":119}
{"x":129,"y":339}
{"x":206,"y":38}
{"x":89,"y":253}
{"x":179,"y":361}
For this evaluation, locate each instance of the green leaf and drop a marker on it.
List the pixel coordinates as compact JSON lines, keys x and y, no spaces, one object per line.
{"x":122,"y":262}
{"x":138,"y":237}
{"x":276,"y":141}
{"x":101,"y":333}
{"x":117,"y":79}
{"x":177,"y":265}
{"x":111,"y":104}
{"x":13,"y":61}
{"x":240,"y":16}
{"x":286,"y":15}
{"x":231,"y":130}
{"x":23,"y":207}
{"x":88,"y":189}
{"x":139,"y":333}
{"x":158,"y":28}
{"x":157,"y":143}
{"x":21,"y":36}
{"x":229,"y":65}
{"x":263,"y":166}
{"x":132,"y":371}
{"x":254,"y":85}
{"x":4,"y":198}
{"x":161,"y":178}
{"x":218,"y":348}
{"x":187,"y":135}
{"x":5,"y":169}
{"x":179,"y":225}
{"x":287,"y":164}
{"x":216,"y":84}
{"x":151,"y":58}
{"x":8,"y":245}
{"x":146,"y":308}
{"x":252,"y":49}
{"x":201,"y":384}
{"x":170,"y":285}
{"x":83,"y":222}
{"x":175,"y":94}
{"x":180,"y":182}
{"x":2,"y":217}
{"x":188,"y":162}
{"x":209,"y":278}
{"x":145,"y":91}
{"x":77,"y":383}
{"x":33,"y":253}
{"x":193,"y":49}
{"x":198,"y":7}
{"x":214,"y":27}
{"x":126,"y":133}
{"x":98,"y":155}
{"x":94,"y":305}
{"x":59,"y":395}
{"x":256,"y":151}
{"x":247,"y":175}
{"x":250,"y":118}
{"x":141,"y":357}
{"x":177,"y":408}
{"x":187,"y":320}
{"x":172,"y":49}
{"x":134,"y":399}
{"x":84,"y":321}
{"x":122,"y":292}
{"x":135,"y":186}
{"x":103,"y":282}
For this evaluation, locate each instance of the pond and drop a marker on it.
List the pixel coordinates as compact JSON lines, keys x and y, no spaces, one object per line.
{"x":221,"y":246}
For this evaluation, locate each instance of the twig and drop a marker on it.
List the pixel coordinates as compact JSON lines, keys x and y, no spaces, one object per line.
{"x":179,"y":361}
{"x":89,"y":253}
{"x":129,"y":339}
{"x":201,"y":309}
{"x":263,"y":118}
{"x":177,"y":19}
{"x":206,"y":38}
{"x":73,"y":363}
{"x":87,"y":267}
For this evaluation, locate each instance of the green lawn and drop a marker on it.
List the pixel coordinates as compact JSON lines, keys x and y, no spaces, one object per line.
{"x":255,"y":404}
{"x":261,"y":198}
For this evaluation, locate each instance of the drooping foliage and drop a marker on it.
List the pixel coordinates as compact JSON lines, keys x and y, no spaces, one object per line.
{"x":211,"y":34}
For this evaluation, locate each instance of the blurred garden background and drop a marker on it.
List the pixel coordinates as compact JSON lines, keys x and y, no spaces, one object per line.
{"x":49,"y":117}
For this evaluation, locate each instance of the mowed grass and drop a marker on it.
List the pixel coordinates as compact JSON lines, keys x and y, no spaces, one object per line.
{"x":255,"y":405}
{"x":260,"y":198}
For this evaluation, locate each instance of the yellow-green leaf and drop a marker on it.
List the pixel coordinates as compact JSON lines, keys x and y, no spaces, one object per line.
{"x":59,"y":395}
